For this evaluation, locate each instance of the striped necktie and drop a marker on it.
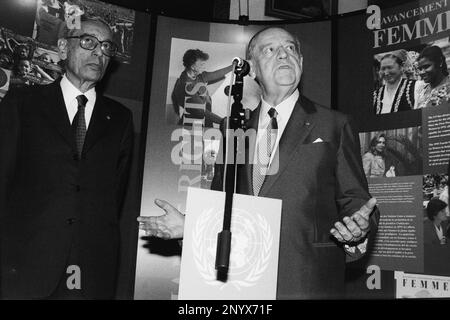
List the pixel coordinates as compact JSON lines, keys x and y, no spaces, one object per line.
{"x":264,"y":151}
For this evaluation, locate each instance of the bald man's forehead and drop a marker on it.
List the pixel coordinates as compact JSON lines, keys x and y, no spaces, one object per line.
{"x":275,"y":35}
{"x":263,"y":36}
{"x":274,"y":31}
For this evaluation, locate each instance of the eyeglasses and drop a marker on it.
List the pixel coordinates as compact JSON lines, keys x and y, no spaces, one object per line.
{"x":90,"y":42}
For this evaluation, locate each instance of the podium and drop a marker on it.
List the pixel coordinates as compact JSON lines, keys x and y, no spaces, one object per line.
{"x":255,"y":228}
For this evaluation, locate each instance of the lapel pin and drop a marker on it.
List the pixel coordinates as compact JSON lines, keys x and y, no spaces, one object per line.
{"x":108,"y":117}
{"x":307,"y":123}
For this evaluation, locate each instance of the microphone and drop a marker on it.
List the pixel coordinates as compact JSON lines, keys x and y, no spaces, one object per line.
{"x":239,"y":62}
{"x":242,"y":67}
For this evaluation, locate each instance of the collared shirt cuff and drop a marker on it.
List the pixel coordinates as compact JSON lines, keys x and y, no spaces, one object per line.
{"x":362,"y":247}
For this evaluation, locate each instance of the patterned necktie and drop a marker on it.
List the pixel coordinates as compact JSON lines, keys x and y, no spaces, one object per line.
{"x":264,"y":151}
{"x":79,"y":124}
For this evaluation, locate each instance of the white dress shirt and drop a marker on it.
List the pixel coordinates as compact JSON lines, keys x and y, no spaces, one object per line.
{"x":388,"y":98}
{"x":70,"y":93}
{"x":284,"y":110}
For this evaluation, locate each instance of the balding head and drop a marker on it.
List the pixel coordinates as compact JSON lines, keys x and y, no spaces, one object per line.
{"x":276,"y":63}
{"x":253,"y":40}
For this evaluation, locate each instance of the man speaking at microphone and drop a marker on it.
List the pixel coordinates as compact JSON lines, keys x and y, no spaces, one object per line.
{"x":327,"y":218}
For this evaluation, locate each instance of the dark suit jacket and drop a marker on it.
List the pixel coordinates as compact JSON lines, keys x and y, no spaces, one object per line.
{"x":429,"y":232}
{"x":319,"y":184}
{"x":51,"y":202}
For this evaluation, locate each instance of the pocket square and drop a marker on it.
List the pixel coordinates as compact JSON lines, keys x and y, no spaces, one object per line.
{"x":318,"y":140}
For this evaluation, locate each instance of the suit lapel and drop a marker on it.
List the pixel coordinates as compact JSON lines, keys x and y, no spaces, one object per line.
{"x":98,"y":125}
{"x":53,"y":108}
{"x":297,"y":130}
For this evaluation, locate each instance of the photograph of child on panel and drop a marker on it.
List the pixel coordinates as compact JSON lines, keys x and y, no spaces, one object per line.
{"x":191,"y":88}
{"x":199,"y":72}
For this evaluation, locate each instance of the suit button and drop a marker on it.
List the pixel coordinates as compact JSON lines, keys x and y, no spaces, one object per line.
{"x":71,"y":221}
{"x":78,"y":188}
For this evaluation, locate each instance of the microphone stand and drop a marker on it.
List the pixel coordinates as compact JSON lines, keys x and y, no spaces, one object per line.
{"x":236,"y":121}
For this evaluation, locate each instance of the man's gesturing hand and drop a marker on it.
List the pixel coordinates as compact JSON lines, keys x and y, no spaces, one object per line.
{"x":168,"y":226}
{"x":356,"y":227}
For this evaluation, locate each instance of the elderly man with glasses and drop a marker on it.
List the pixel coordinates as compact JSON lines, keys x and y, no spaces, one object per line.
{"x":64,"y":166}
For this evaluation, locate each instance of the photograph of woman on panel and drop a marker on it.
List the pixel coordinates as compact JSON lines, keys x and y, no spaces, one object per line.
{"x":433,"y":70}
{"x":398,"y":90}
{"x":391,"y":153}
{"x":436,"y":226}
{"x":374,"y":163}
{"x":436,"y":242}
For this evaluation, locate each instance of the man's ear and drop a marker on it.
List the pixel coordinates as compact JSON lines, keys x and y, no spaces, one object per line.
{"x":301,"y":63}
{"x":62,"y":48}
{"x":252,"y":72}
